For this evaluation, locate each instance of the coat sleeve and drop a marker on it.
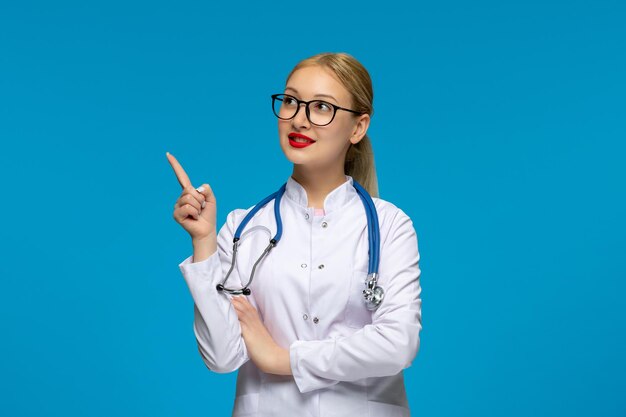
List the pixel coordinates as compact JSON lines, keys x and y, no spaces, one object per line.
{"x":386,"y":346}
{"x":216,"y":324}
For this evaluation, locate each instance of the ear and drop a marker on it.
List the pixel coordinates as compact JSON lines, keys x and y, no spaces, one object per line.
{"x":360,"y":128}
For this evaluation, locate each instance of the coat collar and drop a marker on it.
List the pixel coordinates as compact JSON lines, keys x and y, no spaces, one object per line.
{"x":336,"y":199}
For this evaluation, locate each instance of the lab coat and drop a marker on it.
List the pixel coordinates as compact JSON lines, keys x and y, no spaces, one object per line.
{"x":346,"y":360}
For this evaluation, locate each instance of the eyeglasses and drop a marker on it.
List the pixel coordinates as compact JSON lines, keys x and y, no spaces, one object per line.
{"x":319,"y":113}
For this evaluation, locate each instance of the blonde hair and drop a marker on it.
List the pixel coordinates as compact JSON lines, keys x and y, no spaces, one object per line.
{"x":359,"y":162}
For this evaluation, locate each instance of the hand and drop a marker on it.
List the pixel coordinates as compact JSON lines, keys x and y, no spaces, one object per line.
{"x":264,"y":352}
{"x":196,"y":209}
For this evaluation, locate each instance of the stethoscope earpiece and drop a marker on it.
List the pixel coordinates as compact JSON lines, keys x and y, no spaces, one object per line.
{"x":244,"y":291}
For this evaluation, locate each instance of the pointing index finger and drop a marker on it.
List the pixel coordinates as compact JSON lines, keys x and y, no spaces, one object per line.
{"x":181,"y":175}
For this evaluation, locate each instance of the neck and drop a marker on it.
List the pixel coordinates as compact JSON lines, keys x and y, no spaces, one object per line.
{"x":318,"y":183}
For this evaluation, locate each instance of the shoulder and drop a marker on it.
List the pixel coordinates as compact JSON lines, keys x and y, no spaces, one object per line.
{"x":237,"y":215}
{"x":392,"y":220}
{"x":389,"y":213}
{"x":233,"y":220}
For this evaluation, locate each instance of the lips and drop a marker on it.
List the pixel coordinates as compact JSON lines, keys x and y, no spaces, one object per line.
{"x":302,"y":142}
{"x":293,"y":135}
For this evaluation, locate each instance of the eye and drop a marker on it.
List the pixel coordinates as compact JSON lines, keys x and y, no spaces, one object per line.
{"x":322,"y":106}
{"x":290,"y":101}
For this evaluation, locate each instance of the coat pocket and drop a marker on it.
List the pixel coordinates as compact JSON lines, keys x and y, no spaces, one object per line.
{"x":357,"y":315}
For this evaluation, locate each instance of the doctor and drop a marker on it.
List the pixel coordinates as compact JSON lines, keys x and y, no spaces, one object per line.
{"x":303,"y":340}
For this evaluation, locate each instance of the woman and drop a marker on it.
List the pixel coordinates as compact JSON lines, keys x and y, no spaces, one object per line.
{"x":303,"y":340}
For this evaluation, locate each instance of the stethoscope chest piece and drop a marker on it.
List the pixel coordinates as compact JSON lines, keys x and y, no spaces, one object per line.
{"x":373,"y":294}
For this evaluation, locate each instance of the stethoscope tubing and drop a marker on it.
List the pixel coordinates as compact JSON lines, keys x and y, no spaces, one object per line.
{"x":373,"y":294}
{"x":373,"y":232}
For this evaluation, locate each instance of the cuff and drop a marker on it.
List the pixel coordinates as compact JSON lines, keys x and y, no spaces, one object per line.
{"x":204,"y":273}
{"x":188,"y":266}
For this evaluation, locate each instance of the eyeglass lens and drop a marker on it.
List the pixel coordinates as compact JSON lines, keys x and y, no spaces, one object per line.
{"x":320,"y":112}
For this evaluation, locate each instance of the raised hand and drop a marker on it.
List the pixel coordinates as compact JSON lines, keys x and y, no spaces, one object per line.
{"x":196,"y":209}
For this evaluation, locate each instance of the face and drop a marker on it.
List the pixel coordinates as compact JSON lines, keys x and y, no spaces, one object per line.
{"x":331,"y":141}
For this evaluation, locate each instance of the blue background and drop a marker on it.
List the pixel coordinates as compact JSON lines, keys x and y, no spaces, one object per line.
{"x":499,"y":127}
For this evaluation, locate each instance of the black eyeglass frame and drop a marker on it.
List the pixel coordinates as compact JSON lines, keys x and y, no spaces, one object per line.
{"x":306,"y":108}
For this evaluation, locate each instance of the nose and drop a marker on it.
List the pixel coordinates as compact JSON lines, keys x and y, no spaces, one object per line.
{"x":300,"y":120}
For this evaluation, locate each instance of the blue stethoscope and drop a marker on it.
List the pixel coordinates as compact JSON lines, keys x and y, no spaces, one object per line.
{"x":372,"y":293}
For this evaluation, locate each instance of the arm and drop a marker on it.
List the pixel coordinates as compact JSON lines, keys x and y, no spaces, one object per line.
{"x":390,"y":343}
{"x":216,"y":326}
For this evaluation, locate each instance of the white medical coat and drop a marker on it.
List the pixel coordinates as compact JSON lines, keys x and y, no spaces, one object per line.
{"x":346,"y":360}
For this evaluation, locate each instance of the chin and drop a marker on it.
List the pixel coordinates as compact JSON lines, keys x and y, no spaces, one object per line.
{"x":295,"y":159}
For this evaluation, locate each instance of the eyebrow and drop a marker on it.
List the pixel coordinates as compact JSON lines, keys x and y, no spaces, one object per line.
{"x":317,"y":95}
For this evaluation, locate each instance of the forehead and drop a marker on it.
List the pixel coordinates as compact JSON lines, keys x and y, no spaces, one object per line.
{"x":316,"y":80}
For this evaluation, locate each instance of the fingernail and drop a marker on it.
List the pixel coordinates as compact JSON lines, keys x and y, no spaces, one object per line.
{"x":200,"y":189}
{"x":203,"y":204}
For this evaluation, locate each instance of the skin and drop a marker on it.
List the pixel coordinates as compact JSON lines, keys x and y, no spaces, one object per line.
{"x":319,"y":168}
{"x":266,"y":354}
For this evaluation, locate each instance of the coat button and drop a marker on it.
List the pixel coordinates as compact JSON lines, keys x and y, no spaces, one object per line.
{"x":321,"y":266}
{"x":305,"y":317}
{"x":306,"y":216}
{"x":315,"y":320}
{"x":303,"y":265}
{"x":324,"y":225}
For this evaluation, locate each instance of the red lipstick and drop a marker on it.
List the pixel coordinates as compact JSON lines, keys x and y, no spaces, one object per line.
{"x":295,"y":144}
